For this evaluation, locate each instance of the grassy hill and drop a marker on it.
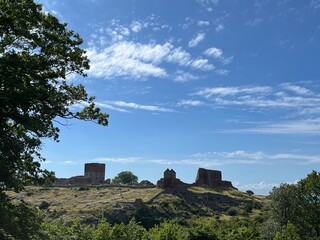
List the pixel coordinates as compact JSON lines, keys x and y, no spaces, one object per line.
{"x":147,"y":205}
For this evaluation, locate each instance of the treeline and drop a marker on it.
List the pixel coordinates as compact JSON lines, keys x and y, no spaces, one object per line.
{"x":293,"y":213}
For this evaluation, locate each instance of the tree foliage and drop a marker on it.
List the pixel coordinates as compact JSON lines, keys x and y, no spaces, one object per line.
{"x":299,"y":205}
{"x":146,"y":183}
{"x":125,"y":177}
{"x":37,"y":54}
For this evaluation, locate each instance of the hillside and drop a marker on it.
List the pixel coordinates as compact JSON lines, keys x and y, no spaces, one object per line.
{"x":148,"y":206}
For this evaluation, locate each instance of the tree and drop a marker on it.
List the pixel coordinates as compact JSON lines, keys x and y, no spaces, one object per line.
{"x":287,"y":206}
{"x":125,"y":177}
{"x":310,"y":189}
{"x":299,"y":204}
{"x":146,"y":183}
{"x":37,"y":54}
{"x":289,"y":233}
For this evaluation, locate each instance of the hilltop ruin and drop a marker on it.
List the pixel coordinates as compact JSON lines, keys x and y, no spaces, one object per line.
{"x":205,"y":177}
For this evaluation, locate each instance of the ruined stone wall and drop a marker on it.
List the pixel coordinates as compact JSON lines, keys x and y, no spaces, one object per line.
{"x":208,"y":177}
{"x":169,"y":174}
{"x":95,"y":171}
{"x":211,"y":178}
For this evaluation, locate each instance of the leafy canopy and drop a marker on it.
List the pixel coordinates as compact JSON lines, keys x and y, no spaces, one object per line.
{"x":298,"y":204}
{"x":37,"y":54}
{"x":125,"y":177}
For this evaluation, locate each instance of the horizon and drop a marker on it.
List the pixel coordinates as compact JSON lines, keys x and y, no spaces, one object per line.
{"x":224,"y":85}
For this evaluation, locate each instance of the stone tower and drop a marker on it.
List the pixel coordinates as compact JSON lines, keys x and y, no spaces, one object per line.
{"x":95,"y":171}
{"x":211,"y":178}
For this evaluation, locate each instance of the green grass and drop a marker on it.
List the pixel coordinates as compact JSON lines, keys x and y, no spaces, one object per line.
{"x":118,"y":203}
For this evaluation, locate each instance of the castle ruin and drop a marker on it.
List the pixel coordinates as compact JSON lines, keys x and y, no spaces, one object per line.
{"x":169,"y":180}
{"x":94,"y":173}
{"x":211,"y":178}
{"x":205,"y":177}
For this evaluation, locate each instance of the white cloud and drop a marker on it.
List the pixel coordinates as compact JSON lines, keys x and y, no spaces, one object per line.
{"x":257,"y":157}
{"x":254,"y":22}
{"x":140,"y":107}
{"x":181,"y":76}
{"x":203,"y":23}
{"x":108,"y":106}
{"x":260,"y":186}
{"x":69,"y":163}
{"x":116,"y":160}
{"x":296,"y":89}
{"x":197,"y":39}
{"x":223,"y":72}
{"x":139,"y":61}
{"x":136,"y":26}
{"x":202,"y":64}
{"x":219,"y":27}
{"x":190,"y":103}
{"x":226,"y":60}
{"x":264,"y":97}
{"x":114,"y":61}
{"x":161,"y":161}
{"x":300,"y":127}
{"x":226,"y":91}
{"x":214,"y":52}
{"x":179,"y":56}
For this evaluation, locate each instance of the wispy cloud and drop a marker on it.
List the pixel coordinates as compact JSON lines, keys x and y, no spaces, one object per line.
{"x":202,"y":64}
{"x":69,"y":163}
{"x":139,"y":61}
{"x":139,"y":106}
{"x":190,"y":103}
{"x":122,"y":60}
{"x":253,"y":22}
{"x":232,"y":91}
{"x":297,"y":127}
{"x":217,"y":53}
{"x":181,"y":76}
{"x":203,"y":23}
{"x":108,"y":106}
{"x":136,"y":26}
{"x":116,"y":160}
{"x":222,"y":72}
{"x":260,"y":186}
{"x":197,"y":39}
{"x":214,"y":52}
{"x":283,"y":96}
{"x":219,"y":27}
{"x":296,"y":89}
{"x":212,"y":159}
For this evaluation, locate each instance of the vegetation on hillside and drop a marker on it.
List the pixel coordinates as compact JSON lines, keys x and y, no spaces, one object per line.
{"x":290,"y":212}
{"x":37,"y":53}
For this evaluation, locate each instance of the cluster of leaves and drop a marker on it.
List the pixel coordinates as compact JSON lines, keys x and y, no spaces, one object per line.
{"x":37,"y":54}
{"x":125,"y":177}
{"x":297,"y":206}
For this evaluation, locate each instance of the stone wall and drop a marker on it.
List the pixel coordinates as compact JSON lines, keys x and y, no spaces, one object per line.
{"x":169,"y":181}
{"x":211,"y":178}
{"x":95,"y":171}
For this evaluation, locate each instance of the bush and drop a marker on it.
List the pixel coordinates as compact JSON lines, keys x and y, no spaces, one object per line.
{"x":232,"y":211}
{"x":44,"y":205}
{"x":250,"y":193}
{"x":248,"y":207}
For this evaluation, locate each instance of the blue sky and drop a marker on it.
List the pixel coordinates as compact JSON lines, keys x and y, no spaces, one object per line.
{"x":226,"y":85}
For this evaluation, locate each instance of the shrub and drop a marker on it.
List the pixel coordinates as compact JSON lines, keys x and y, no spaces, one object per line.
{"x":232,"y":211}
{"x":44,"y":205}
{"x":250,"y":193}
